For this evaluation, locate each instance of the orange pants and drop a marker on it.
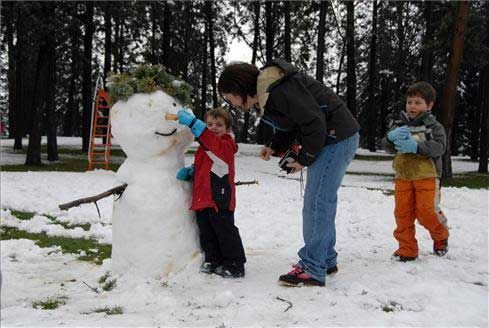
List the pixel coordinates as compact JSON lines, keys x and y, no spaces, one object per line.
{"x":418,"y":199}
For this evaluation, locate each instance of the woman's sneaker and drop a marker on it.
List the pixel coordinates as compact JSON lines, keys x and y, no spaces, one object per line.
{"x":298,"y":277}
{"x":332,"y":270}
{"x":231,"y":271}
{"x":440,"y":247}
{"x":208,"y":267}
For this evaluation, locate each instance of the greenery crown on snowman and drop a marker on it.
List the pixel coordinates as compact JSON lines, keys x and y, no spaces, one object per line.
{"x":147,"y":79}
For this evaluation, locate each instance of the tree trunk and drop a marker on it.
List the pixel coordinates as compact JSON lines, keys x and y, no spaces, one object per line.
{"x":71,"y":126}
{"x":210,"y":30}
{"x":269,"y":30}
{"x":43,"y":85}
{"x":351,"y":78}
{"x":20,"y":78}
{"x":287,"y":43}
{"x":166,"y":34}
{"x":484,"y":108}
{"x":203,"y":97}
{"x":12,"y":95}
{"x":87,"y":75}
{"x":108,"y":39}
{"x":400,"y":69}
{"x":321,"y":34}
{"x":50,"y":110}
{"x":340,"y":67}
{"x":372,"y":107}
{"x":450,"y":90}
{"x":427,"y":51}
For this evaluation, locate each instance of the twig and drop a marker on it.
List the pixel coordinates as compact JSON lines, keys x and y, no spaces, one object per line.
{"x":241,"y":183}
{"x":290,"y":303}
{"x":93,"y":289}
{"x":93,"y":199}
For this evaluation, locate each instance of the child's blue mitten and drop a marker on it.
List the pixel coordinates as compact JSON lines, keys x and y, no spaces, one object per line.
{"x":187,"y":118}
{"x":399,"y":133}
{"x":408,"y":145}
{"x":185,"y":173}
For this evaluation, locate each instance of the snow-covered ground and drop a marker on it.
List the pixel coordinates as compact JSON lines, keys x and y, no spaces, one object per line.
{"x":369,"y":290}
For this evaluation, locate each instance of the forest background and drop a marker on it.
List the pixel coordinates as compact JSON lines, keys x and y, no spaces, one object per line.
{"x":369,"y":52}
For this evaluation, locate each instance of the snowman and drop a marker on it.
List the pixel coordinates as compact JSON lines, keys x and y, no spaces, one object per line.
{"x":154,"y":233}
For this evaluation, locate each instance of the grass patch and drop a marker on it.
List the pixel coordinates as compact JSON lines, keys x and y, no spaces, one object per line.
{"x":50,"y":303}
{"x":108,"y":310}
{"x":22,"y":215}
{"x":469,"y":180}
{"x":373,"y":157}
{"x":65,"y":165}
{"x":68,"y":245}
{"x":29,"y":215}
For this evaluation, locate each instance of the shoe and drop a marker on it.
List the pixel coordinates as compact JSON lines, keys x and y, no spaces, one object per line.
{"x":231,"y":271}
{"x":208,"y":267}
{"x":332,"y":270}
{"x":400,"y":258}
{"x":298,"y":277}
{"x":440,"y":247}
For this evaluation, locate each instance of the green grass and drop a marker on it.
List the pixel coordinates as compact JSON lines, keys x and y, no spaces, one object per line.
{"x":469,"y":180}
{"x":373,"y":157}
{"x":65,"y":165}
{"x":29,"y":215}
{"x":108,"y":310}
{"x":50,"y":303}
{"x":68,"y":245}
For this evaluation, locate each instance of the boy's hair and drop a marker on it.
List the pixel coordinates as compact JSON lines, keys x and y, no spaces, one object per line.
{"x":220,"y":112}
{"x":422,"y":89}
{"x":238,"y":78}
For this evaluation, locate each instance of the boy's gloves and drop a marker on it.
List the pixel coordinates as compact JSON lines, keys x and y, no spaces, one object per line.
{"x":399,"y":133}
{"x":185,"y":173}
{"x":408,"y":145}
{"x":187,"y":118}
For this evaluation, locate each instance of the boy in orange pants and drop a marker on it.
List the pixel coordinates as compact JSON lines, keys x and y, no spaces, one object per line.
{"x":419,"y":140}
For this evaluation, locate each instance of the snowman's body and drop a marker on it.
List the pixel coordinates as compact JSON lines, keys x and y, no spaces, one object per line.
{"x":154,"y":233}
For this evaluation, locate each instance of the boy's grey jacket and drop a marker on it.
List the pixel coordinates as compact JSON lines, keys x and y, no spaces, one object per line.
{"x":295,"y":102}
{"x":431,"y":145}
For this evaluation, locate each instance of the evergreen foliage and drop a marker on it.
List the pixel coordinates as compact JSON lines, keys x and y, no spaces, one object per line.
{"x":146,"y":79}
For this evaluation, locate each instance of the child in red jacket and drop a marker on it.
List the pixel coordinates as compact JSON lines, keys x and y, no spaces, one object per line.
{"x":213,"y":192}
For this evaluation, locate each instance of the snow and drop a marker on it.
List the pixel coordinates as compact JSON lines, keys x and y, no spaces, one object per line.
{"x":369,"y":290}
{"x":154,"y":233}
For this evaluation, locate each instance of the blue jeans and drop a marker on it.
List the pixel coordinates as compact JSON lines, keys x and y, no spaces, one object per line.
{"x":324,"y":178}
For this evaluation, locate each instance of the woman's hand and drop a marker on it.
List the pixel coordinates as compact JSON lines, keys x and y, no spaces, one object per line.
{"x":265,"y":153}
{"x":296,"y":167}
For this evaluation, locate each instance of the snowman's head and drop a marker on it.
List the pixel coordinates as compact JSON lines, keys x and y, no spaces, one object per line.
{"x":140,"y":127}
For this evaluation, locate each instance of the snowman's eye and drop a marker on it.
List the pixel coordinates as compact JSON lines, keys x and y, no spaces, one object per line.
{"x":174,"y":105}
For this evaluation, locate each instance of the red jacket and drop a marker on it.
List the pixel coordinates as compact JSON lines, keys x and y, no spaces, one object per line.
{"x":214,"y":172}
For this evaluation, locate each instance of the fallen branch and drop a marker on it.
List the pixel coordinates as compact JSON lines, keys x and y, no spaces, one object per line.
{"x":93,"y":199}
{"x":290,"y":303}
{"x":118,"y":191}
{"x":242,"y":183}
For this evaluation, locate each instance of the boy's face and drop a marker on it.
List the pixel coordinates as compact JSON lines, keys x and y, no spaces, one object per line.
{"x":216,"y":125}
{"x":416,"y":105}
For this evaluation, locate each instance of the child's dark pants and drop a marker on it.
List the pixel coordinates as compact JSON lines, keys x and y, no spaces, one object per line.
{"x":219,"y":237}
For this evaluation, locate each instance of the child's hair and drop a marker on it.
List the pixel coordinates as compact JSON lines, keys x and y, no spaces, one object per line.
{"x":220,"y":112}
{"x":238,"y":78}
{"x":422,"y":89}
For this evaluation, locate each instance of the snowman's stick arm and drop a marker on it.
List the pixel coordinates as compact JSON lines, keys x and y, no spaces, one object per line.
{"x":242,"y":183}
{"x":93,"y":199}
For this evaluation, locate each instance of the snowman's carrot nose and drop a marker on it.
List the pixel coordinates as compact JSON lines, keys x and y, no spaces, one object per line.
{"x":171,"y":117}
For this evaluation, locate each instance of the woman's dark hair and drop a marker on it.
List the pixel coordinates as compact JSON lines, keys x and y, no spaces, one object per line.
{"x":239,"y":79}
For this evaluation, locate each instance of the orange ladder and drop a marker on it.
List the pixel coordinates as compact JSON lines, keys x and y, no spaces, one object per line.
{"x":100,"y":131}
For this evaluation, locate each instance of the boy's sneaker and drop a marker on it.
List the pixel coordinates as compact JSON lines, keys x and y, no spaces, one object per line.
{"x":440,"y":247}
{"x":208,"y":267}
{"x":332,"y":270}
{"x":400,"y":258}
{"x":298,"y":277}
{"x":231,"y":271}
